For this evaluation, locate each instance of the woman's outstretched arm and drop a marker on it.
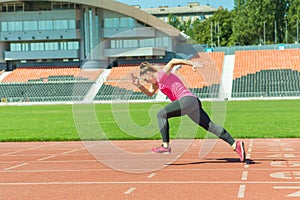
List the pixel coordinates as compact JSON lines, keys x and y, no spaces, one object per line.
{"x":135,"y":81}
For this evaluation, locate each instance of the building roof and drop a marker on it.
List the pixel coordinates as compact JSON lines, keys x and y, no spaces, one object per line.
{"x":130,"y":11}
{"x":180,"y":9}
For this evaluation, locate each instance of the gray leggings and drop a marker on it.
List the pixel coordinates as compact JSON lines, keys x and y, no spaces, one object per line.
{"x":192,"y":107}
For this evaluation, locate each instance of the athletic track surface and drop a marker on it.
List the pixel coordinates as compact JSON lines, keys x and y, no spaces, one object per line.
{"x":66,"y":170}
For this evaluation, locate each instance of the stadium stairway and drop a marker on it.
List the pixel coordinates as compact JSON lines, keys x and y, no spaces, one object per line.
{"x":96,"y":86}
{"x":227,"y":77}
{"x":2,"y":76}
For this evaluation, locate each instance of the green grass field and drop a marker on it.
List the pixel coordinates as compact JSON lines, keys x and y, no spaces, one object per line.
{"x":244,"y":119}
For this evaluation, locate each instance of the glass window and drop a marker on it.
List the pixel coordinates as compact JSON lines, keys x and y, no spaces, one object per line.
{"x":127,"y":22}
{"x":124,"y":22}
{"x":16,"y":47}
{"x":4,"y":26}
{"x":72,"y":24}
{"x":111,"y":23}
{"x":51,"y":46}
{"x":162,"y":42}
{"x":42,"y":25}
{"x":46,"y":25}
{"x":60,"y":24}
{"x":116,"y":22}
{"x":25,"y":47}
{"x":19,"y":26}
{"x":147,"y":43}
{"x":113,"y":44}
{"x":73,"y":45}
{"x":119,"y":44}
{"x":131,"y":22}
{"x":130,"y":43}
{"x":63,"y":45}
{"x":11,"y":8}
{"x":49,"y":25}
{"x":107,"y":23}
{"x":30,"y":25}
{"x":11,"y":26}
{"x":166,"y":41}
{"x":37,"y":46}
{"x":159,"y":41}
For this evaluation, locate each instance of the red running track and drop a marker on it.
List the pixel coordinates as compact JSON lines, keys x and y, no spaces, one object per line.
{"x":67,"y":170}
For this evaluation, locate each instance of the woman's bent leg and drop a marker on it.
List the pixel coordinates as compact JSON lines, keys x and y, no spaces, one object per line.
{"x":201,"y":117}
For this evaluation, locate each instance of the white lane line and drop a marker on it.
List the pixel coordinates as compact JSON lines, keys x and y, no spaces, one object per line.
{"x":151,"y":175}
{"x":130,"y":190}
{"x":71,"y":151}
{"x":241,"y":193}
{"x":289,"y":155}
{"x":16,"y":166}
{"x":245,"y":175}
{"x":248,"y":156}
{"x":41,"y":159}
{"x":146,"y":182}
{"x":10,"y":153}
{"x":103,"y":169}
{"x":286,"y":187}
{"x":251,"y":143}
{"x":37,"y":147}
{"x":295,"y":194}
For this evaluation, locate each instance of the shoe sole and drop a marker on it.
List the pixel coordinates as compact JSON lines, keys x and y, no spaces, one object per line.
{"x":161,"y":152}
{"x":243,"y":152}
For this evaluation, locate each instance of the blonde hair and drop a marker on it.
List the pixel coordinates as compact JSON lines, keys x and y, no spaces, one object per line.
{"x":147,"y":67}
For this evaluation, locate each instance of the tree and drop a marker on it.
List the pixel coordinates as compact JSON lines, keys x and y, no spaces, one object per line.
{"x":259,"y":21}
{"x":281,"y":9}
{"x":222,"y":27}
{"x":293,"y":15}
{"x":201,"y":31}
{"x":173,"y":20}
{"x":252,"y":22}
{"x":240,"y":26}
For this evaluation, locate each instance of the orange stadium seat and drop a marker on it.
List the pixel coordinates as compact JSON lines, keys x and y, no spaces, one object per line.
{"x":34,"y":73}
{"x":208,"y":75}
{"x":269,"y":73}
{"x":249,"y":62}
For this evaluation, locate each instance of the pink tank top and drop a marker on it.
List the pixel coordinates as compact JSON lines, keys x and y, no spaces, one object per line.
{"x":172,"y":86}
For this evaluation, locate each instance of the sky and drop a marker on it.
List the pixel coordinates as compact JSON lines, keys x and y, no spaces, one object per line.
{"x":154,"y":3}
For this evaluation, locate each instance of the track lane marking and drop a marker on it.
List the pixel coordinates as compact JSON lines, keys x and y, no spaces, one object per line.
{"x":244,"y":176}
{"x":130,"y":190}
{"x":16,"y":166}
{"x":45,"y":158}
{"x":143,"y":182}
{"x":241,"y":193}
{"x":151,"y":175}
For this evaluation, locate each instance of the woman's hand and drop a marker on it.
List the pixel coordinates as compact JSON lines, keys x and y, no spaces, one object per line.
{"x":196,"y":65}
{"x":135,"y":81}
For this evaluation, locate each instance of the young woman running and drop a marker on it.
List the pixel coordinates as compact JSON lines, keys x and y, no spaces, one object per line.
{"x":184,"y":102}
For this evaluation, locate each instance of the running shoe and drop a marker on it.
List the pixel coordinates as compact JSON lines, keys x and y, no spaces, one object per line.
{"x":240,"y":150}
{"x":161,"y":150}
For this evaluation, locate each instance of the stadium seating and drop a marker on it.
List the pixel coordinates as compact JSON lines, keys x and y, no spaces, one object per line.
{"x":119,"y":87}
{"x":205,"y":82}
{"x":36,"y":73}
{"x":259,"y":73}
{"x":266,"y":73}
{"x":39,"y":92}
{"x":47,"y":84}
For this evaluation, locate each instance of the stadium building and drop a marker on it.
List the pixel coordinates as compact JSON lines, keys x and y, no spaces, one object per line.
{"x":65,"y":32}
{"x":193,"y":11}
